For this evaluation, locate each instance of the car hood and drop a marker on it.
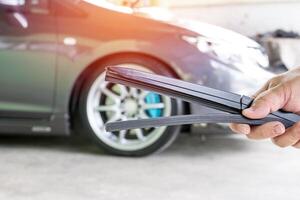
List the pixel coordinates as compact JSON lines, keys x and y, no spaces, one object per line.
{"x":164,"y":15}
{"x":204,"y":29}
{"x":215,"y":32}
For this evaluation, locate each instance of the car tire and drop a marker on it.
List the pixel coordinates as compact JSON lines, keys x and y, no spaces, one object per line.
{"x":91,"y":123}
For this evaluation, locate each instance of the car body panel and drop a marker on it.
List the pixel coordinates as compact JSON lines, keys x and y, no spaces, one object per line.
{"x":28,"y":44}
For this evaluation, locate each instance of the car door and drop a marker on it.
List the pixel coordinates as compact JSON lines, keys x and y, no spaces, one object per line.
{"x":27,"y":58}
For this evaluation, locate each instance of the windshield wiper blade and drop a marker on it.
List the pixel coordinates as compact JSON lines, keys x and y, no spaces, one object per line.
{"x":231,"y":104}
{"x":190,"y":92}
{"x":185,"y":119}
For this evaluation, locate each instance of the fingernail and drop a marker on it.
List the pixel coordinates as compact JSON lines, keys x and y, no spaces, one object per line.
{"x":252,"y":108}
{"x":249,"y":110}
{"x":278,"y":129}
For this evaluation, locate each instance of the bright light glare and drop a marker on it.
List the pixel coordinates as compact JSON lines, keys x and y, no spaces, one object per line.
{"x":157,"y":13}
{"x":70,"y":41}
{"x":21,"y":19}
{"x":12,"y":2}
{"x":110,"y":6}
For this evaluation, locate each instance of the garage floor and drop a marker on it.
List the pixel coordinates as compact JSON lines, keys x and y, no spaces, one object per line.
{"x":222,"y":167}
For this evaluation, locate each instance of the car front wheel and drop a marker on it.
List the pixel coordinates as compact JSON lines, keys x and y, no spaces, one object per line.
{"x":102,"y":102}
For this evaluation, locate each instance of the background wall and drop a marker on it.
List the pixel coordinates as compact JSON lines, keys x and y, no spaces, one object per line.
{"x":248,"y":17}
{"x":219,"y":2}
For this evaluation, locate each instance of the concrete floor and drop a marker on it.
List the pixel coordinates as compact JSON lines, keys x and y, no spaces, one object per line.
{"x":223,"y":167}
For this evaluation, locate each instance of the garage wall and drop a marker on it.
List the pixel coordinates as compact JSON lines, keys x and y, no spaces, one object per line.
{"x":243,"y":17}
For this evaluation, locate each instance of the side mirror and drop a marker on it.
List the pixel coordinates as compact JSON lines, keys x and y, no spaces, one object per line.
{"x":12,"y":5}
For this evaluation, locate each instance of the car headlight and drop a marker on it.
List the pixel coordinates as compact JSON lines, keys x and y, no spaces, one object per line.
{"x":235,"y":54}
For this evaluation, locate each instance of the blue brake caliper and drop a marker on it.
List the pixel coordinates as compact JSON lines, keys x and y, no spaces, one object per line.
{"x":150,"y":99}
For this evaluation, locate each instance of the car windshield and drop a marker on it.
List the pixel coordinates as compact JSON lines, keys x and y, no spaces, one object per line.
{"x":110,"y":6}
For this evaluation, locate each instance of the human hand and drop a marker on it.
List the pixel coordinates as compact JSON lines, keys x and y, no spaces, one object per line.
{"x":280,"y":92}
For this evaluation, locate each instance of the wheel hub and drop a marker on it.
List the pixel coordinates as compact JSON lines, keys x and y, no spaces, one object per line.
{"x":130,"y":107}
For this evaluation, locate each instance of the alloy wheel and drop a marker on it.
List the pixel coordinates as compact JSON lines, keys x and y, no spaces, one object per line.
{"x":108,"y":102}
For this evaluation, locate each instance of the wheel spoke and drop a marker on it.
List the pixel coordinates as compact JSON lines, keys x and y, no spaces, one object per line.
{"x":133,"y":92}
{"x":123,"y":91}
{"x":143,"y":115}
{"x":112,"y":95}
{"x":112,"y":136}
{"x":122,"y":138}
{"x":153,"y":106}
{"x":140,"y":134}
{"x":115,"y":117}
{"x":103,"y":108}
{"x":143,"y":95}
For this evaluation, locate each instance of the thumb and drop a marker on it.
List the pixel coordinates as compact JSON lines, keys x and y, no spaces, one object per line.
{"x":266,"y":102}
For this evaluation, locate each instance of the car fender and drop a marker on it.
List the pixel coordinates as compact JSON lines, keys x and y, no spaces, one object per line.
{"x":71,"y":67}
